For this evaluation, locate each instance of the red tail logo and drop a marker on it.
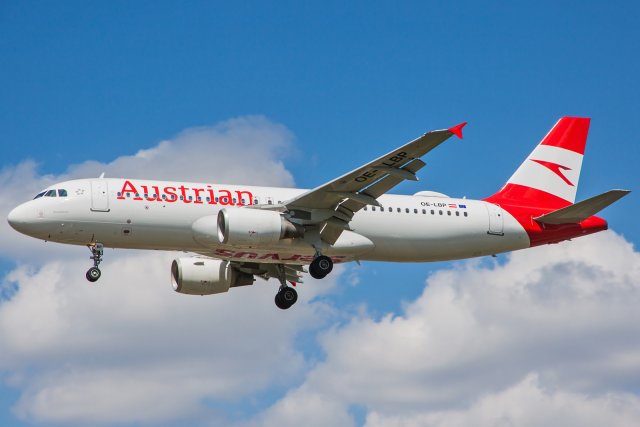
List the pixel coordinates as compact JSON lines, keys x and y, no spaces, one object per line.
{"x":555,"y":168}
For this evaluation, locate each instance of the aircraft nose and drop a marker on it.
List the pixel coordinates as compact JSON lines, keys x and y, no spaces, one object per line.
{"x":18,"y":218}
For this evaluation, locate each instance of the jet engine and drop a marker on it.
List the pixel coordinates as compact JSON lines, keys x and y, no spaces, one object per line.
{"x":202,"y":276}
{"x":253,"y":227}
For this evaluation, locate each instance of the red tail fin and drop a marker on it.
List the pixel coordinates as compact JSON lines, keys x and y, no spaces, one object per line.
{"x":548,"y":178}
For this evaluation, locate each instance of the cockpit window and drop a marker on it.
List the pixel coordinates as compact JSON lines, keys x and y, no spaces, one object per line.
{"x":39,"y":195}
{"x":51,"y":193}
{"x":62,"y":193}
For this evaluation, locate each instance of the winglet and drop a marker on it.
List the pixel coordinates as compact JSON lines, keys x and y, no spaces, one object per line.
{"x":457,"y":129}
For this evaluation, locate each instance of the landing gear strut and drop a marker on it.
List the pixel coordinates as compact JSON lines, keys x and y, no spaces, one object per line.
{"x":286,"y":297}
{"x":97,"y":250}
{"x":320,"y":267}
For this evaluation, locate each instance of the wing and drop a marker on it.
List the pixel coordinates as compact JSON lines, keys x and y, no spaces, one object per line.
{"x":283,"y":272}
{"x":332,"y":205}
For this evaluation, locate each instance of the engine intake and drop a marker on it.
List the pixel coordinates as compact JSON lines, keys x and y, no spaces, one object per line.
{"x":253,"y":227}
{"x":202,"y":276}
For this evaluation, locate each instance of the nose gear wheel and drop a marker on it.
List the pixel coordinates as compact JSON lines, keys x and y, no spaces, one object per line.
{"x":97,"y":251}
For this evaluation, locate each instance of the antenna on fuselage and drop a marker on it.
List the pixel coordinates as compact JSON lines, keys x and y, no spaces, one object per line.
{"x":101,"y":175}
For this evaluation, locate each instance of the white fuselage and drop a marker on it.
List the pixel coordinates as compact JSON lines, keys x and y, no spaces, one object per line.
{"x":406,"y":229}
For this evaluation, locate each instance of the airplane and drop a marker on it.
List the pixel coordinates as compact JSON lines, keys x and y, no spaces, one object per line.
{"x":237,"y":233}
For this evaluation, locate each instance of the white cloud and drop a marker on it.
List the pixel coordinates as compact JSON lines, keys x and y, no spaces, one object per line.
{"x":527,"y":404}
{"x":566,"y":314}
{"x":130,"y":349}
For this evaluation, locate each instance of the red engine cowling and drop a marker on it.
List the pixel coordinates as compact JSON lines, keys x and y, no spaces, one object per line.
{"x":203,"y":276}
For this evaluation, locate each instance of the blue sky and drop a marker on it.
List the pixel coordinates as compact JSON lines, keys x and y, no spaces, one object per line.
{"x":96,"y":81}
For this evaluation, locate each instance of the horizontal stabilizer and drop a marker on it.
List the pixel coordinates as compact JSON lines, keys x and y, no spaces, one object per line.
{"x":582,"y":210}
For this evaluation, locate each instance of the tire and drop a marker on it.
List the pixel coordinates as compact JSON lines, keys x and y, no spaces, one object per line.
{"x":279,"y":303}
{"x":320,"y":267}
{"x":289,"y":296}
{"x":285,"y":298}
{"x":313,"y":271}
{"x":93,"y":274}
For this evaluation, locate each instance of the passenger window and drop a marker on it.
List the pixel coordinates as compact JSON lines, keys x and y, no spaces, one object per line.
{"x":390,"y":209}
{"x":50,"y":193}
{"x":415,"y":211}
{"x":365,"y":208}
{"x":399,"y":210}
{"x":39,"y":195}
{"x":433,"y":212}
{"x":440,"y":212}
{"x":449,"y":213}
{"x":457,"y":213}
{"x":373,"y":208}
{"x":424,"y":211}
{"x":62,"y":193}
{"x":465,"y":214}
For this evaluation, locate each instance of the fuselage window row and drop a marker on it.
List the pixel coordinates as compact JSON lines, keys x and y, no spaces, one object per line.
{"x":415,"y":211}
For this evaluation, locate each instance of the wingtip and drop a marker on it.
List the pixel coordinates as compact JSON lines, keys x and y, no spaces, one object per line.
{"x":457,"y":129}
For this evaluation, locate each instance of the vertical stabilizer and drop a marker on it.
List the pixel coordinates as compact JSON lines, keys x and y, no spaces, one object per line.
{"x":549,"y":177}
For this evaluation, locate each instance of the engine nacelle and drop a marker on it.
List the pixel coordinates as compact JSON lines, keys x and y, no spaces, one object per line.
{"x":202,"y":276}
{"x":254,"y":227}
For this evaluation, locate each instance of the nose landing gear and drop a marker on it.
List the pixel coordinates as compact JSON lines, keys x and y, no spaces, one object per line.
{"x":97,"y":250}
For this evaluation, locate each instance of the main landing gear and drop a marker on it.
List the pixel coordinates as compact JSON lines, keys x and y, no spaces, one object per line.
{"x":286,"y":297}
{"x":97,"y":250}
{"x":320,"y":267}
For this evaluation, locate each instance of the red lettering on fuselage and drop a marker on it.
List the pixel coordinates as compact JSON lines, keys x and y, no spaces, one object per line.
{"x":185,"y":194}
{"x":171,"y":194}
{"x":129,"y":188}
{"x":230,"y":253}
{"x":197,"y":198}
{"x":151,"y":197}
{"x":241,"y":194}
{"x":226,"y":199}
